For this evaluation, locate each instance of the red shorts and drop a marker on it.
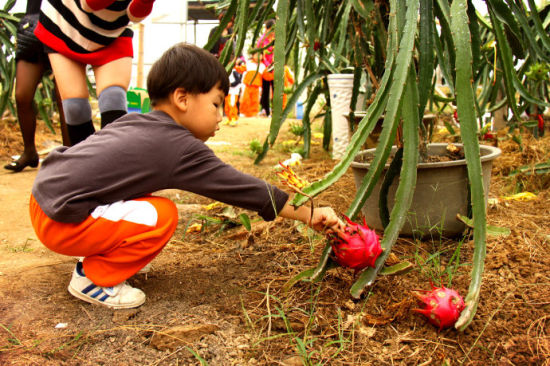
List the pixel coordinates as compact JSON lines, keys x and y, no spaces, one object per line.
{"x":117,"y":240}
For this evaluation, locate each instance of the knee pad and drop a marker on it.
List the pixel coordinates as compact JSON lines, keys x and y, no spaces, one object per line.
{"x":77,"y":111}
{"x":112,"y":98}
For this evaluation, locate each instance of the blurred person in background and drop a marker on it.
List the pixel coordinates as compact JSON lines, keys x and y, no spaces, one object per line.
{"x":31,"y":65}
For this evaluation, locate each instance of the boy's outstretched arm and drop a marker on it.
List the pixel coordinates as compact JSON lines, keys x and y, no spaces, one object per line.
{"x":323,"y":217}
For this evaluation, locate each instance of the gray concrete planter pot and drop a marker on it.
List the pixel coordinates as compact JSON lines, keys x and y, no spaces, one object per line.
{"x":441,"y":193}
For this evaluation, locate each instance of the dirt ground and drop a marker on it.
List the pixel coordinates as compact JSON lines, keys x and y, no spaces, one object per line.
{"x":217,"y":297}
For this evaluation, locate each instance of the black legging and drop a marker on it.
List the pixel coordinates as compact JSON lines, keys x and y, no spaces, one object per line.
{"x":265,"y":99}
{"x":27,"y":77}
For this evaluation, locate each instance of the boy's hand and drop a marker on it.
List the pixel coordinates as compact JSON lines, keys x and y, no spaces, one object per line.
{"x":325,"y":219}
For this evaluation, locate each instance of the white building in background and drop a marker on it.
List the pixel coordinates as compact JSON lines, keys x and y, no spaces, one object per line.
{"x":171,"y":22}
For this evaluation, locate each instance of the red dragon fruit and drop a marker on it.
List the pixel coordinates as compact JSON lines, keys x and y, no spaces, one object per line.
{"x":356,"y":247}
{"x":442,"y":306}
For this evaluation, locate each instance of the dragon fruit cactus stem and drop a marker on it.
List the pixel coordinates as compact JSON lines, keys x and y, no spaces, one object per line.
{"x":442,"y":306}
{"x":356,"y":247}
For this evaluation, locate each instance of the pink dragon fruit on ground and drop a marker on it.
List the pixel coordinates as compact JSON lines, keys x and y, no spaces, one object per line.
{"x":442,"y":306}
{"x":356,"y":247}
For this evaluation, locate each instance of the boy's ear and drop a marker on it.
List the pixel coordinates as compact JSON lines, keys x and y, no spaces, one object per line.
{"x":180,"y":98}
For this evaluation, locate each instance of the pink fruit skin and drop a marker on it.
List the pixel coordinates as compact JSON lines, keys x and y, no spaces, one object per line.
{"x":356,"y":247}
{"x":442,"y":306}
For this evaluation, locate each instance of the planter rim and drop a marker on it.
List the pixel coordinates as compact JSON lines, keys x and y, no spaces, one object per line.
{"x":364,"y":113}
{"x":340,"y":76}
{"x":491,"y":153}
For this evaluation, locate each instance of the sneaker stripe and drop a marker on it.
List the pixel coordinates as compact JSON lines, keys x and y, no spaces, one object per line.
{"x":105,"y":297}
{"x":80,"y":269}
{"x":88,"y":289}
{"x":97,"y":293}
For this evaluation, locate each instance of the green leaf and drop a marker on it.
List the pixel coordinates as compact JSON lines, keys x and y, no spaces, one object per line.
{"x":391,"y":119}
{"x":245,"y":220}
{"x":540,"y":168}
{"x":276,"y":124}
{"x":519,"y":13}
{"x":491,"y":230}
{"x":241,"y":29}
{"x":539,"y":27}
{"x":327,"y":125}
{"x":466,"y":114}
{"x":302,"y":276}
{"x":9,"y":5}
{"x":230,"y":13}
{"x":364,"y":8}
{"x":306,"y":120}
{"x":444,"y":62}
{"x":441,"y":10}
{"x":425,"y":53}
{"x":397,"y":269}
{"x":407,"y":180}
{"x":504,"y":14}
{"x":513,"y":84}
{"x":11,"y":26}
{"x":392,"y":172}
{"x":279,"y":64}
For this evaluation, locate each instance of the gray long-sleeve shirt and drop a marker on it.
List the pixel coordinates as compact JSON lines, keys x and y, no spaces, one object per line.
{"x":139,"y":154}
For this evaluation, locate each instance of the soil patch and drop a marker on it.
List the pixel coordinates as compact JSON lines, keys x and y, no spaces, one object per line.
{"x":219,"y":294}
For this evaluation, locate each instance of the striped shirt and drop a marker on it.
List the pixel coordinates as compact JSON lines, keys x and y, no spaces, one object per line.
{"x":90,"y":37}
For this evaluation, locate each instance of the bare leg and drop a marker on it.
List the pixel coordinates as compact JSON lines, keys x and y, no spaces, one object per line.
{"x":27,"y":77}
{"x":70,"y":77}
{"x":117,"y":72}
{"x":112,"y":81}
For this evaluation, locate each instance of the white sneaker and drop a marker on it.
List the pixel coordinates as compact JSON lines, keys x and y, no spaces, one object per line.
{"x":121,"y":296}
{"x":144,"y":270}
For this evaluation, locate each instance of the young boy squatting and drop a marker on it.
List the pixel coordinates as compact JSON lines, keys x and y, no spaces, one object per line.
{"x":93,"y":200}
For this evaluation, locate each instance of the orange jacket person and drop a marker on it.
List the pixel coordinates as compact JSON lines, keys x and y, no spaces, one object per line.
{"x":250,"y":103}
{"x":230,"y":105}
{"x":288,"y":81}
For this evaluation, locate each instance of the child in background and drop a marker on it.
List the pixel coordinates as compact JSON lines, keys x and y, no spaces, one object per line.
{"x":84,"y":204}
{"x":288,"y":80}
{"x":267,"y":59}
{"x":241,"y":68}
{"x":250,"y":104}
{"x":232,"y":99}
{"x":77,"y":33}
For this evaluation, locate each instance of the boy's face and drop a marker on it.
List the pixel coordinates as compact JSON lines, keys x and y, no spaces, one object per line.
{"x":204,"y":113}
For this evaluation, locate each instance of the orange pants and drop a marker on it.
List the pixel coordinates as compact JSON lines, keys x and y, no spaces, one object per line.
{"x":230,"y":107}
{"x":117,"y":240}
{"x":250,"y":103}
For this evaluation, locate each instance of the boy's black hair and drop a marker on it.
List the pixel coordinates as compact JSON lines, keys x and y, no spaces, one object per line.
{"x":185,"y":66}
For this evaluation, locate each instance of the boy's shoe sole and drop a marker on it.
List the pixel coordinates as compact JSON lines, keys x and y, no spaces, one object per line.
{"x":121,"y":296}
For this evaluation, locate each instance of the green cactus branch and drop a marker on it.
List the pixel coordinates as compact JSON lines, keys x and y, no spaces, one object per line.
{"x":403,"y":61}
{"x":466,"y":114}
{"x":478,"y":57}
{"x":407,"y":182}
